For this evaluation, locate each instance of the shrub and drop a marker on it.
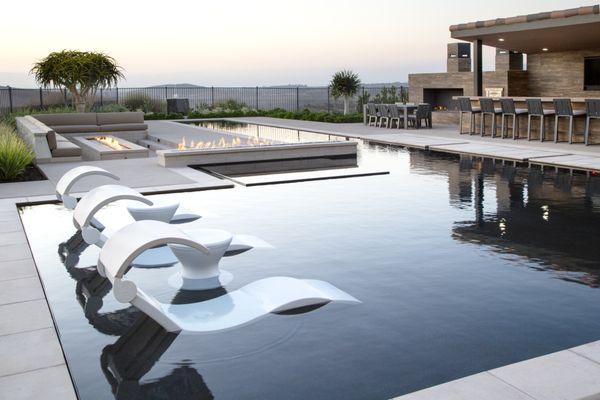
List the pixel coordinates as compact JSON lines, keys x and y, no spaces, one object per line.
{"x":15,"y":155}
{"x":231,"y":104}
{"x":111,"y":108}
{"x":143,"y":102}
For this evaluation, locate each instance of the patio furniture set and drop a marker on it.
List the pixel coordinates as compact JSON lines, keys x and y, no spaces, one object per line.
{"x":509,"y":115}
{"x":404,"y":115}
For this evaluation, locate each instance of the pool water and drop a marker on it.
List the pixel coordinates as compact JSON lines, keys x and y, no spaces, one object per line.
{"x":270,"y":134}
{"x":461,"y":265}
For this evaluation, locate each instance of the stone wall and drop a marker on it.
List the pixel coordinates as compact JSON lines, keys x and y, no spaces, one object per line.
{"x":464,"y":80}
{"x":558,"y":74}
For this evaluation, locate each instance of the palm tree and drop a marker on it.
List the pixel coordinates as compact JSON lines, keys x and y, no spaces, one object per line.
{"x":344,"y":84}
{"x":79,"y":72}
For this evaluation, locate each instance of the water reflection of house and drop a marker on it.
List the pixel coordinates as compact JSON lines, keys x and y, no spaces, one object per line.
{"x":551,"y":219}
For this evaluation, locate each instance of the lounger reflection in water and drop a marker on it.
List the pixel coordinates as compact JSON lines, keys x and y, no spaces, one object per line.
{"x":255,"y":300}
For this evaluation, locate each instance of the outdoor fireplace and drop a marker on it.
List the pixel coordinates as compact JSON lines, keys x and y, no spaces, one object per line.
{"x":108,"y":147}
{"x":441,"y":99}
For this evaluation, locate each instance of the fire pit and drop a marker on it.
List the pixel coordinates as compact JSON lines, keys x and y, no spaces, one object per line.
{"x":107,"y":147}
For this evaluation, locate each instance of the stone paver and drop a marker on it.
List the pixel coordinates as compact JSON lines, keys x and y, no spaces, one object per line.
{"x":571,"y":161}
{"x":483,"y":386}
{"x":45,"y":383}
{"x":11,"y":252}
{"x":17,"y":269}
{"x":24,"y":316}
{"x":496,"y":151}
{"x":23,"y":289}
{"x":558,"y":376}
{"x":27,"y":351}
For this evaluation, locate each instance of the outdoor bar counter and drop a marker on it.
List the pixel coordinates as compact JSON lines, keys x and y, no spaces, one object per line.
{"x":520,"y":102}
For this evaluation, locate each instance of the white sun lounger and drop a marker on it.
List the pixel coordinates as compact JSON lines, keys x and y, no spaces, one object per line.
{"x":228,"y":311}
{"x":220,"y":242}
{"x":71,"y":177}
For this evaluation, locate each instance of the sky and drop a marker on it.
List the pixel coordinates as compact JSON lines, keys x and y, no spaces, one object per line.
{"x":245,"y":42}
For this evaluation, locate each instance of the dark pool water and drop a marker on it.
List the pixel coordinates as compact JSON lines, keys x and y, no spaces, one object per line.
{"x":461,"y":266}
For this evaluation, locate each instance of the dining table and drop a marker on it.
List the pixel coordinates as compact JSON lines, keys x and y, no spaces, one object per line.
{"x":405,"y":110}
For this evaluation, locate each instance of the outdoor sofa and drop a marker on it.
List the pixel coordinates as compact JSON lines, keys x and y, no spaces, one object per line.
{"x":48,"y":134}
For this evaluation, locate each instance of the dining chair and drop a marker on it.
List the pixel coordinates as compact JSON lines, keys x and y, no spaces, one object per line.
{"x":384,"y":115}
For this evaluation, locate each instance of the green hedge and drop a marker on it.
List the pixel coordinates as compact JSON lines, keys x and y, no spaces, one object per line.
{"x":217,"y":112}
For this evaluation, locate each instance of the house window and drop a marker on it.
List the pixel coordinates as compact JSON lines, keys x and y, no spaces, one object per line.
{"x":591,"y":77}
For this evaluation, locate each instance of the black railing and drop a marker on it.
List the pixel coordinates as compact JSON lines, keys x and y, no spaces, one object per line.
{"x":314,"y":98}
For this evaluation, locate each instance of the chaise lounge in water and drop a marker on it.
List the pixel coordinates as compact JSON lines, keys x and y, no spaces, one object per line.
{"x":74,"y":175}
{"x":242,"y":306}
{"x":198,"y":271}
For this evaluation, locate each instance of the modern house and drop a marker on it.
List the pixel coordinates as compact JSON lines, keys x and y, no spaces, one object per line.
{"x":562,"y":59}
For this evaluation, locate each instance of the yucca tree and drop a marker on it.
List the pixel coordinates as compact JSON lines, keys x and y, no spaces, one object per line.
{"x":344,"y":84}
{"x":82,"y":73}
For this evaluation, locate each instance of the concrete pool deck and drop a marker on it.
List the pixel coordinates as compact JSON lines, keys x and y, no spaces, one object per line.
{"x":33,"y":365}
{"x":445,"y":138}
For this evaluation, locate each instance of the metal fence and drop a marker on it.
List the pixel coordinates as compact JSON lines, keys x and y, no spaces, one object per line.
{"x":314,"y":98}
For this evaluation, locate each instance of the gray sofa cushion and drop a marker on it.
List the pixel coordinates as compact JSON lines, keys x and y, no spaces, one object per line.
{"x":66,"y":149}
{"x":67,"y":119}
{"x":113,"y":118}
{"x":51,"y":138}
{"x":123,"y":127}
{"x":75,"y":128}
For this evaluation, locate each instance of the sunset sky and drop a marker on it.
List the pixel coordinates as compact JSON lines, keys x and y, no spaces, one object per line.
{"x":264,"y":42}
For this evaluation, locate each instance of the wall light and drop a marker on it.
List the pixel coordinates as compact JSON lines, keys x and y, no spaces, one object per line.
{"x":501,"y":40}
{"x":545,"y":49}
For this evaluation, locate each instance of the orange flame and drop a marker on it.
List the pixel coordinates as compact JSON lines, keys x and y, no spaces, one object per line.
{"x":221,"y":143}
{"x":110,"y":142}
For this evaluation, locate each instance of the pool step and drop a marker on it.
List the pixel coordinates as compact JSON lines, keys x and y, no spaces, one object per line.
{"x":152,"y":144}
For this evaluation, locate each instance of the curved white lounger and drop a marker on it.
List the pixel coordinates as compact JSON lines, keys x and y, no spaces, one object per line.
{"x":71,"y":177}
{"x":231,"y":310}
{"x":93,"y":201}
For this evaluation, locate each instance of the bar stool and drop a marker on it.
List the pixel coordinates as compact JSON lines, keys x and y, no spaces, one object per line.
{"x":536,"y":109}
{"x":487,"y":108}
{"x":371,"y":114}
{"x":465,"y":107}
{"x":592,"y":106}
{"x":384,"y":114}
{"x":564,"y":109}
{"x":509,"y":110}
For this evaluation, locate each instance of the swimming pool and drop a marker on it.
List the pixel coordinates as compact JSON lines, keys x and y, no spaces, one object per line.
{"x":461,"y":265}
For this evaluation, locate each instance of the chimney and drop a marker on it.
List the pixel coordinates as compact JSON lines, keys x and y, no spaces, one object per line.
{"x":508,"y":60}
{"x":459,"y":57}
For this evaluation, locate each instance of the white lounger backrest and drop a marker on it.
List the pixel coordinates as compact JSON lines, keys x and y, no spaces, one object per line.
{"x":98,"y":197}
{"x":123,"y":247}
{"x":66,"y":182}
{"x":126,"y":244}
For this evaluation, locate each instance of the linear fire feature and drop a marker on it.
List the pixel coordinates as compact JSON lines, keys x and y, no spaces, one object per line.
{"x":107,"y":147}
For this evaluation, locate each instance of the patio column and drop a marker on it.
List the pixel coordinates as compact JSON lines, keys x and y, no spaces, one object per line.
{"x":477,"y":68}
